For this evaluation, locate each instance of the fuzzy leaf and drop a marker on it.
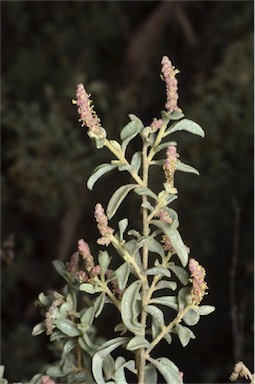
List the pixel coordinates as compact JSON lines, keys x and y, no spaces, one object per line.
{"x":98,"y":172}
{"x":136,"y":161}
{"x":61,"y":268}
{"x":191,"y":317}
{"x":44,"y":300}
{"x":169,"y":301}
{"x":147,"y":205}
{"x":104,"y":261}
{"x":137,"y":342}
{"x":156,"y":314}
{"x":186,"y":168}
{"x":119,"y":374}
{"x":38,"y":329}
{"x":115,"y":145}
{"x":128,"y":308}
{"x":187,"y":125}
{"x":180,"y":272}
{"x":90,"y":288}
{"x":99,"y":356}
{"x":122,"y":274}
{"x":177,"y":243}
{"x":158,"y":271}
{"x":150,"y":374}
{"x":145,"y":191}
{"x":184,"y":334}
{"x":166,"y":284}
{"x":99,"y":304}
{"x":69,"y":345}
{"x":182,"y":297}
{"x":117,"y":199}
{"x":156,"y":247}
{"x":175,"y":115}
{"x":168,"y":370}
{"x":67,"y":327}
{"x":55,"y":371}
{"x":204,"y":309}
{"x":88,"y":317}
{"x":122,"y":227}
{"x":129,"y":132}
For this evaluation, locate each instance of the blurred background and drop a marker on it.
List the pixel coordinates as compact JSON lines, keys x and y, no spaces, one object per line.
{"x":115,"y":49}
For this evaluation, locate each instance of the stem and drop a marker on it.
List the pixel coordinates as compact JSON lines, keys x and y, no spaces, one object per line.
{"x":146,"y":231}
{"x":123,"y":160}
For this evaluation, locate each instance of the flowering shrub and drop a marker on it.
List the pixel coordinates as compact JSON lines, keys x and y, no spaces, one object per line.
{"x":154,"y":269}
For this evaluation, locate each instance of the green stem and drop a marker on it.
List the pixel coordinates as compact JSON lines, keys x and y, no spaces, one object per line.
{"x":123,"y":160}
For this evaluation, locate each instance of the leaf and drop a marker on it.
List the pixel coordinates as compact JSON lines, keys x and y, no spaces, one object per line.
{"x":166,"y":284}
{"x":178,"y":245}
{"x":204,"y":309}
{"x":115,"y":145}
{"x":187,"y":125}
{"x":158,"y":271}
{"x":99,"y":304}
{"x":104,"y":261}
{"x":136,"y":343}
{"x":147,"y":205}
{"x":175,"y":115}
{"x":68,"y":327}
{"x":103,"y":351}
{"x":136,"y":161}
{"x":168,"y":370}
{"x":98,"y":172}
{"x":69,"y":345}
{"x":145,"y":191}
{"x":156,"y":247}
{"x":191,"y":317}
{"x":185,"y":168}
{"x":61,"y":268}
{"x":122,"y":274}
{"x":184,"y":334}
{"x":38,"y":329}
{"x":129,"y":132}
{"x":122,"y":227}
{"x":44,"y":300}
{"x":169,"y":301}
{"x":117,"y":199}
{"x":90,"y":288}
{"x":119,"y":374}
{"x":182,"y":297}
{"x":55,"y":371}
{"x":158,"y":321}
{"x":128,"y":308}
{"x":181,"y":273}
{"x":88,"y":317}
{"x":150,"y":374}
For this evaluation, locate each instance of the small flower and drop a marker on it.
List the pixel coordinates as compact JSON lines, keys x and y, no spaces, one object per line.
{"x":87,"y":113}
{"x":169,"y":73}
{"x":84,"y":251}
{"x":199,"y":285}
{"x":45,"y":379}
{"x":241,"y":370}
{"x":73,"y":265}
{"x":167,"y":244}
{"x":102,"y":225}
{"x":170,"y":165}
{"x":164,"y":216}
{"x":156,"y":124}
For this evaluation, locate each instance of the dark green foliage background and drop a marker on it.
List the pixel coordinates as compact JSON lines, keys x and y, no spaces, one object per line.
{"x":115,"y":48}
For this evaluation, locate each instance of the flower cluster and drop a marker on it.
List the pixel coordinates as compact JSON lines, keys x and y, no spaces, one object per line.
{"x":164,"y":216}
{"x":45,"y":379}
{"x":170,"y":166}
{"x":199,"y":285}
{"x":87,"y":113}
{"x":102,"y":225}
{"x":50,"y":315}
{"x":115,"y":284}
{"x":156,"y":124}
{"x":169,"y":72}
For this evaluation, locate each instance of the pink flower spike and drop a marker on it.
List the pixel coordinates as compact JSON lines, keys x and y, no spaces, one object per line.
{"x":169,"y":73}
{"x":199,"y":285}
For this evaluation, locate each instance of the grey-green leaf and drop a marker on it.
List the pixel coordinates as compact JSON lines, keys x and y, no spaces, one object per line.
{"x":181,"y":273}
{"x":99,"y":304}
{"x":104,"y":350}
{"x":122,"y":227}
{"x":90,"y":288}
{"x":129,"y":132}
{"x":60,"y":268}
{"x":122,"y":274}
{"x":185,"y":168}
{"x":169,"y":301}
{"x":156,"y":313}
{"x":187,"y":125}
{"x":204,"y":309}
{"x":184,"y":334}
{"x":191,"y":317}
{"x":104,"y":261}
{"x":117,"y":199}
{"x":128,"y":308}
{"x":166,"y":284}
{"x":88,"y":316}
{"x":137,"y":342}
{"x":168,"y":370}
{"x":158,"y":271}
{"x":136,"y":161}
{"x":67,"y":327}
{"x":55,"y":371}
{"x":182,"y":297}
{"x":98,"y":172}
{"x":178,"y":245}
{"x":145,"y":191}
{"x":38,"y":329}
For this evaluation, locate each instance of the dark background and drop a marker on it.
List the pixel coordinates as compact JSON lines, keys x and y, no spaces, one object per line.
{"x":115,"y":48}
